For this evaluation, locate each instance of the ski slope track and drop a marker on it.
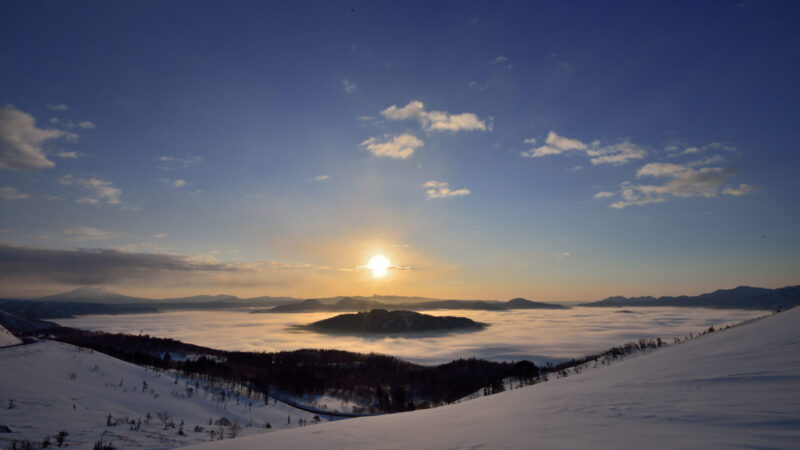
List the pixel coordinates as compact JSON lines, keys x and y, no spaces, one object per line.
{"x":737,"y":388}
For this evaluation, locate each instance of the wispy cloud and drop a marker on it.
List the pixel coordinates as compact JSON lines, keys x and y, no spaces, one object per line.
{"x":69,"y":155}
{"x":478,"y":86}
{"x":605,"y":194}
{"x":713,"y":159}
{"x":397,"y":147}
{"x":10,"y":193}
{"x":615,"y":154}
{"x":56,"y":107}
{"x":348,"y":86}
{"x":85,"y":124}
{"x":502,"y":60}
{"x":674,"y":151}
{"x":743,"y":189}
{"x":562,"y":255}
{"x":440,"y":189}
{"x":184,"y":160}
{"x":436,"y":120}
{"x":319,"y":178}
{"x":99,"y":190}
{"x":21,"y":141}
{"x":176,"y":183}
{"x":683,"y":181}
{"x":174,"y":162}
{"x":88,"y":234}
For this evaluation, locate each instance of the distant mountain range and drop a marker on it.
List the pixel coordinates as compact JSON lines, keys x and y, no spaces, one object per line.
{"x":742,"y":297}
{"x":363,"y":304}
{"x":381,"y":321}
{"x":93,"y":295}
{"x":107,"y":297}
{"x":93,"y":300}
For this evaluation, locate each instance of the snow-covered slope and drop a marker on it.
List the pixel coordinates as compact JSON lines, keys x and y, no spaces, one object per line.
{"x":49,"y":387}
{"x":738,"y":388}
{"x":6,"y":338}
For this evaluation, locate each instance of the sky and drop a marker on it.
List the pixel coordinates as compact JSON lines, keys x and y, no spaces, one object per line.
{"x":489,"y":150}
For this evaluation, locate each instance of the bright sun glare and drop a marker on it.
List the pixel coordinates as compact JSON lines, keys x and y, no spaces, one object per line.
{"x":379,"y":265}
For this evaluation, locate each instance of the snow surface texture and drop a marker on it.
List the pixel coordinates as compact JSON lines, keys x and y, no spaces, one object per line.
{"x":43,"y":381}
{"x":738,"y":388}
{"x":6,"y":338}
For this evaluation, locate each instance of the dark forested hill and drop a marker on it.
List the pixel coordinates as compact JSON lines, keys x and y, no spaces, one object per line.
{"x":381,"y":321}
{"x":379,"y":382}
{"x":742,"y":297}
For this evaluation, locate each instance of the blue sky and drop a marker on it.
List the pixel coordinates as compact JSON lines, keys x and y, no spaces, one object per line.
{"x":488,"y":149}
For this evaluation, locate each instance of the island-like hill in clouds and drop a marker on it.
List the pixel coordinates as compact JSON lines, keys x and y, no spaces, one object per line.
{"x":381,"y":321}
{"x":742,"y":297}
{"x":734,"y":388}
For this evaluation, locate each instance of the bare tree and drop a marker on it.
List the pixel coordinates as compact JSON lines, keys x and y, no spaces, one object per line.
{"x":164,"y":417}
{"x":234,"y":430}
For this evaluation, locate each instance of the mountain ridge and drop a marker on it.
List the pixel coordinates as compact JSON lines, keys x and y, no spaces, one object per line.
{"x":740,"y":297}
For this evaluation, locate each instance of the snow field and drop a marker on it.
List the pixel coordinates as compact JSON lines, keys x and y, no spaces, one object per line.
{"x":55,"y":386}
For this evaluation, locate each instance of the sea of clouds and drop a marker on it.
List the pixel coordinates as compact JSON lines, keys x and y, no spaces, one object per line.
{"x":538,"y":335}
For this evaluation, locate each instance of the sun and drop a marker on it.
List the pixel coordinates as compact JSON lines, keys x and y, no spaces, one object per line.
{"x":379,"y":265}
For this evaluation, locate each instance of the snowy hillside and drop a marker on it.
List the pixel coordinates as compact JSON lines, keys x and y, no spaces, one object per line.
{"x":734,"y":388}
{"x":49,"y":387}
{"x":6,"y":338}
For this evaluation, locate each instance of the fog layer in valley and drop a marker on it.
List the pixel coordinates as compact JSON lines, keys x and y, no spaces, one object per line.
{"x":538,"y":335}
